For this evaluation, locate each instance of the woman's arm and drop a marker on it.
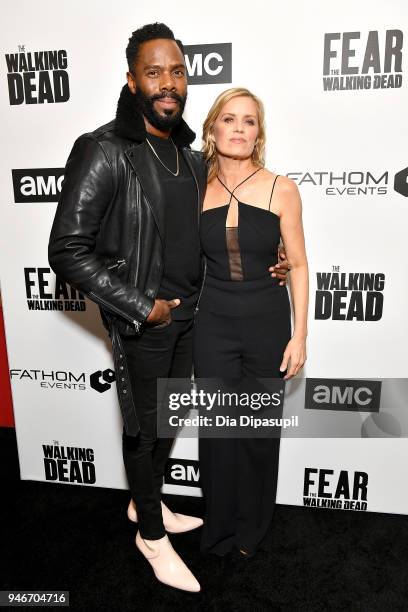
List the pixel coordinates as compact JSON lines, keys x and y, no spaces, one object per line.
{"x":290,"y":208}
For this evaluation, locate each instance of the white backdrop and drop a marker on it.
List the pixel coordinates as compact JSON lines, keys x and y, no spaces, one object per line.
{"x":63,"y":394}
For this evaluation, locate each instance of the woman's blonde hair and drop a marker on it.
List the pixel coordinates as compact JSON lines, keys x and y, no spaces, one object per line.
{"x":208,"y":148}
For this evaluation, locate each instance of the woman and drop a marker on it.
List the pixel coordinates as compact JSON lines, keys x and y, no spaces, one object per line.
{"x":243,"y":323}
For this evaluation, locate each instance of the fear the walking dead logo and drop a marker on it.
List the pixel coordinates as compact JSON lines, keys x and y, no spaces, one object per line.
{"x":328,"y":489}
{"x":37,"y":77}
{"x":69,"y":464}
{"x":351,"y":296}
{"x":357,"y":60}
{"x":42,"y":296}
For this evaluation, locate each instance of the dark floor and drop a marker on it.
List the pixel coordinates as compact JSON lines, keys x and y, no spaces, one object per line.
{"x":64,"y":537}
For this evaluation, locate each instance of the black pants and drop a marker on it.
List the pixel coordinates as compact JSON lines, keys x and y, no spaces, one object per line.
{"x":239,"y":476}
{"x":159,"y":353}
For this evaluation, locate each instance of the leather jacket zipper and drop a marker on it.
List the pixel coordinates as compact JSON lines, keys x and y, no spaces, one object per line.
{"x":196,"y":309}
{"x":108,"y":306}
{"x":199,"y":220}
{"x":190,"y":165}
{"x":118,"y":264}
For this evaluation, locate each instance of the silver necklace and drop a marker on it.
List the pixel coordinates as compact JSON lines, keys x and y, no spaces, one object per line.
{"x":163,"y":164}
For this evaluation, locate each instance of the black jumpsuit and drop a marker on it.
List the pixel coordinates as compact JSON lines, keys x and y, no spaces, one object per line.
{"x":242,"y":328}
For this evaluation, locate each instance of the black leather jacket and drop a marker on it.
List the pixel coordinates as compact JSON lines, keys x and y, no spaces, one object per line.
{"x":107,"y":235}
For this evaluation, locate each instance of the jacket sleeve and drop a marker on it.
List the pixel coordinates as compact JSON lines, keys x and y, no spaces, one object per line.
{"x":87,"y":190}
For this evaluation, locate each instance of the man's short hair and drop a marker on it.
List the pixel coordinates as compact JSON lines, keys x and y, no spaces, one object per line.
{"x":151,"y":31}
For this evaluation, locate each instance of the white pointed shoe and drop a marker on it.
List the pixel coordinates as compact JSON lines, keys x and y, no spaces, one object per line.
{"x":168,"y":567}
{"x":173,"y":521}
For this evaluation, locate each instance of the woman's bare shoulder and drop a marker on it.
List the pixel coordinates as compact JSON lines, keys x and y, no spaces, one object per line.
{"x":285,"y":184}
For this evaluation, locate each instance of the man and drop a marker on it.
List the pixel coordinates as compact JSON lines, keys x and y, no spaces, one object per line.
{"x":126,"y":234}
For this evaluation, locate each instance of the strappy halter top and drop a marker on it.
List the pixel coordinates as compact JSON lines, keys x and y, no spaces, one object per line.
{"x":244,"y":252}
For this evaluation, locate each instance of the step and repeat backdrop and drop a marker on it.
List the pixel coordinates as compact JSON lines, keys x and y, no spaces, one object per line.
{"x":334,"y":85}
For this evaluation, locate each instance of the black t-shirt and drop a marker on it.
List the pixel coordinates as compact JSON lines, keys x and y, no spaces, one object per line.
{"x":181,"y":274}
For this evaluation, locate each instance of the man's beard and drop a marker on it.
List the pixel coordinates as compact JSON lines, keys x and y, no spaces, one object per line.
{"x":169,"y":119}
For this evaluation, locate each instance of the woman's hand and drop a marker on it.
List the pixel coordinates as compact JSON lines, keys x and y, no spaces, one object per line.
{"x":295,"y":353}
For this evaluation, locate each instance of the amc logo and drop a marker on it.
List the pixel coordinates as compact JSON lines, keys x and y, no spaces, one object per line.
{"x":340,"y":394}
{"x":209,"y":63}
{"x":183,"y":472}
{"x":37,"y":185}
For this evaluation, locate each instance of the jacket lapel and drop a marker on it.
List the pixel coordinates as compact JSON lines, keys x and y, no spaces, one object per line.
{"x":197,"y":167}
{"x":188,"y":157}
{"x":148,"y":175}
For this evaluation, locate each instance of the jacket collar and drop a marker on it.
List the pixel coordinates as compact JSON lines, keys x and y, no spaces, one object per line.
{"x":129,"y":122}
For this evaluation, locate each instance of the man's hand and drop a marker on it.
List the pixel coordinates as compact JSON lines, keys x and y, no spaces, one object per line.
{"x":281,"y":269}
{"x":161,"y":311}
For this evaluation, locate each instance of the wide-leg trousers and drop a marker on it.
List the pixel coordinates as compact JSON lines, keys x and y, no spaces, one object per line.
{"x":239,"y":476}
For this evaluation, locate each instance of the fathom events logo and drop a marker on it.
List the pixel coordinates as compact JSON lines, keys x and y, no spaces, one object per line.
{"x":353,"y":60}
{"x":208,"y":63}
{"x":99,"y":381}
{"x":37,"y":184}
{"x":183,"y":472}
{"x":102,"y":381}
{"x":353,"y":182}
{"x":352,"y":296}
{"x":342,"y":394}
{"x":36,"y":77}
{"x":41,"y":296}
{"x":401,"y":182}
{"x":324,"y":489}
{"x":69,"y":463}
